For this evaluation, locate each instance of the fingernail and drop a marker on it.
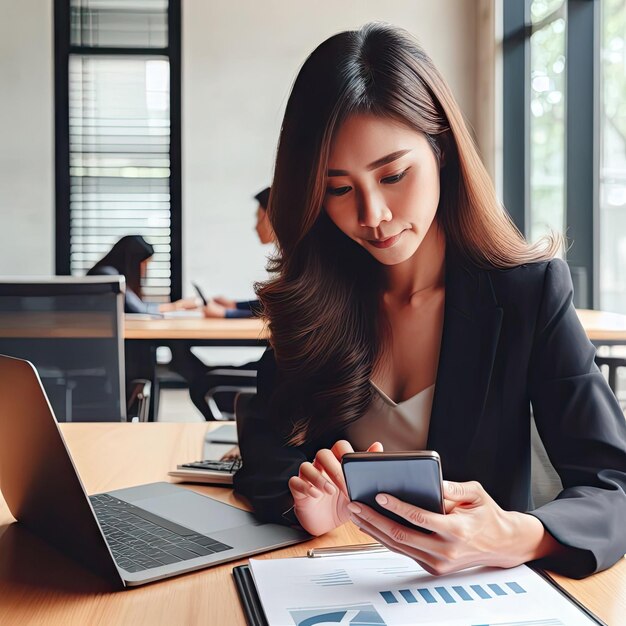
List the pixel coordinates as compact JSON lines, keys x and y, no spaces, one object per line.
{"x":381,"y":499}
{"x":330,"y":488}
{"x":355,"y":508}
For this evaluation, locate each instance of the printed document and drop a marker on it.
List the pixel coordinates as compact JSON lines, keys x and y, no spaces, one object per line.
{"x":387,"y":589}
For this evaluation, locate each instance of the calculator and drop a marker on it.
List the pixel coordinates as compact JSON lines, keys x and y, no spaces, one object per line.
{"x":210,"y":471}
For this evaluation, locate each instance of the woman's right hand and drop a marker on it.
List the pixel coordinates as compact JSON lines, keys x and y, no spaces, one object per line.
{"x":227,"y":303}
{"x":212,"y":309}
{"x":319,"y":491}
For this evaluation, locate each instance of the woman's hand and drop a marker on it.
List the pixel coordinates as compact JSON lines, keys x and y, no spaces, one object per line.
{"x":212,"y":309}
{"x":319,"y":491}
{"x":231,"y":455}
{"x":180,"y":305}
{"x":227,"y":303}
{"x":474,"y":531}
{"x":188,"y":303}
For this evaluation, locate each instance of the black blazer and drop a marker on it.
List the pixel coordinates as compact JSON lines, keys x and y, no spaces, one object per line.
{"x":511,"y":338}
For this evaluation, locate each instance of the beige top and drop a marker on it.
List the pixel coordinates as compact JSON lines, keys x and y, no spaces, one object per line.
{"x":399,"y":427}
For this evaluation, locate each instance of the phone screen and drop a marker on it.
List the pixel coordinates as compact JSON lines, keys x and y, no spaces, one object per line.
{"x":415,"y":479}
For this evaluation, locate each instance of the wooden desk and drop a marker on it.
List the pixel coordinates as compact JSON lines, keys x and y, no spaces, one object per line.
{"x":198,"y":330}
{"x":41,"y":586}
{"x":602,"y":327}
{"x":57,"y":324}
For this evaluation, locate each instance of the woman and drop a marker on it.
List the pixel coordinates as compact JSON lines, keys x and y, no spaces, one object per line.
{"x":130,"y":257}
{"x":406,"y":310}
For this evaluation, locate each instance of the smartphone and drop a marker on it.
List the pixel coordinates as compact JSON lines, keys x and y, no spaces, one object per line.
{"x":200,"y":294}
{"x":414,"y":477}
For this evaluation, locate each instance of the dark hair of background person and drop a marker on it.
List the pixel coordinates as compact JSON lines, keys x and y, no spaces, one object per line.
{"x":322,"y":304}
{"x":263,"y":197}
{"x":126,"y":257}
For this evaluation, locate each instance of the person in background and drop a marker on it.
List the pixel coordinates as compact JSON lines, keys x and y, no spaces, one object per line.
{"x":226,"y":307}
{"x":129,"y":257}
{"x":188,"y":364}
{"x":407,"y":312}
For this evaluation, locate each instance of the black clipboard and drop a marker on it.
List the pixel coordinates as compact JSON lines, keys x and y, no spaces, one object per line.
{"x":255,"y":616}
{"x":250,"y":602}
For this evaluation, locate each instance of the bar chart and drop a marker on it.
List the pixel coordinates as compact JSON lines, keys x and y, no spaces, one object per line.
{"x":451,"y":594}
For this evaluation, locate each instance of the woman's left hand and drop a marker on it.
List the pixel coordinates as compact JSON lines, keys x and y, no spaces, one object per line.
{"x":188,"y":303}
{"x":474,"y":531}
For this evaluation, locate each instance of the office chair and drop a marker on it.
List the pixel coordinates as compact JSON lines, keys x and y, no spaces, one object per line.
{"x":138,"y":403}
{"x":71,"y":329}
{"x":223,"y":386}
{"x":545,"y":482}
{"x":613,"y":363}
{"x":243,"y":408}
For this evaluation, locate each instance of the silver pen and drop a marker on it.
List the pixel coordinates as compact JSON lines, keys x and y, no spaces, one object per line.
{"x":360,"y":548}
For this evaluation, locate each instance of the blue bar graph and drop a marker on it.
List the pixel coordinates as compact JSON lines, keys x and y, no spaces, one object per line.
{"x":445,"y":594}
{"x":516,"y":588}
{"x":388,"y":597}
{"x":497,"y":589}
{"x":534,"y":622}
{"x":427,"y":596}
{"x":408,"y":596}
{"x":462,"y":593}
{"x":480,"y":592}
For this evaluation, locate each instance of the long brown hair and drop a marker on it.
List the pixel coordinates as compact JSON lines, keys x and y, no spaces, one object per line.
{"x":126,"y":257}
{"x":322,"y":305}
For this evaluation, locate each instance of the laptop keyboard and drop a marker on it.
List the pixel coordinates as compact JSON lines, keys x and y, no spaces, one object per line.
{"x":231,"y":465}
{"x":140,"y":540}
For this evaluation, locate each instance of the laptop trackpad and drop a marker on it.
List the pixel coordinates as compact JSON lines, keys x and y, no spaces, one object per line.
{"x":196,"y":512}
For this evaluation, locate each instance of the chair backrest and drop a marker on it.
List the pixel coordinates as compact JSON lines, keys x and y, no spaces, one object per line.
{"x":71,"y":329}
{"x":243,"y":408}
{"x":226,"y":384}
{"x":545,"y":482}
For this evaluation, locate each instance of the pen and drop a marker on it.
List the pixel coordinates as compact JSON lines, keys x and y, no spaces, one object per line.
{"x":361,"y":548}
{"x":199,"y":292}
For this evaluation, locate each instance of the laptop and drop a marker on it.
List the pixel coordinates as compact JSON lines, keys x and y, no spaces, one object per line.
{"x":130,"y":536}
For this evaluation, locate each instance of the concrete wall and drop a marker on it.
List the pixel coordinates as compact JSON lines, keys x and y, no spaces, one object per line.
{"x":26,"y":137}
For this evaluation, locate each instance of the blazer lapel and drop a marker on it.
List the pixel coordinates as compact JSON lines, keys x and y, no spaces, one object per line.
{"x":472,"y":321}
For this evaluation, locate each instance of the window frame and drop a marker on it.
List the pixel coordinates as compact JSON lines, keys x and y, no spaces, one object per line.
{"x":582,"y":133}
{"x":62,"y":51}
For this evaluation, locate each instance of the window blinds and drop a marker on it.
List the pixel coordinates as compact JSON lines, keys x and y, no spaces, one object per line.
{"x":119,"y":133}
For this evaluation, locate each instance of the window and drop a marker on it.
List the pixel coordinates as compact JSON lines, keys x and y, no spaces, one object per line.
{"x":550,"y":128}
{"x":117,"y":65}
{"x":613,"y":158}
{"x":547,"y":118}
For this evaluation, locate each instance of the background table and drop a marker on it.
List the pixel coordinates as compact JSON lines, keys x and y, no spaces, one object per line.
{"x":198,"y":330}
{"x":144,"y":335}
{"x":601,"y":327}
{"x":38,"y":585}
